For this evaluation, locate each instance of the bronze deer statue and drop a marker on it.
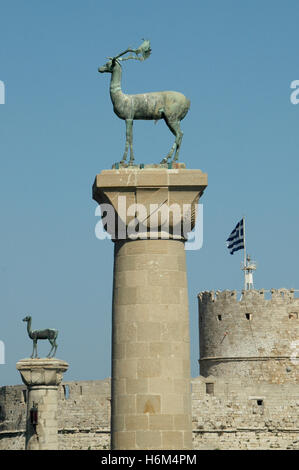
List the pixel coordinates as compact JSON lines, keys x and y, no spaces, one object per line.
{"x":49,"y":334}
{"x":171,"y":106}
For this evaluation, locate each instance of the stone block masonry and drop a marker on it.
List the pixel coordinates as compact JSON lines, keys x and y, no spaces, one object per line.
{"x":225,"y":415}
{"x":150,"y":391}
{"x":252,"y":338}
{"x":151,"y":349}
{"x":83,"y":416}
{"x":251,"y":400}
{"x":42,"y":377}
{"x":237,"y":414}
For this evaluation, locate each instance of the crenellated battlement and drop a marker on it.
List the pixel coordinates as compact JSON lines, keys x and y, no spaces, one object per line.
{"x":251,"y":335}
{"x":253,"y":294}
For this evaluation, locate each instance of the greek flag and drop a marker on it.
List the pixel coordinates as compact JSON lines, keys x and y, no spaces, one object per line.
{"x":235,"y":241}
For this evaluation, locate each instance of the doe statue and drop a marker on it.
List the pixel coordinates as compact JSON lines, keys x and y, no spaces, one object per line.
{"x":171,"y":106}
{"x":49,"y":334}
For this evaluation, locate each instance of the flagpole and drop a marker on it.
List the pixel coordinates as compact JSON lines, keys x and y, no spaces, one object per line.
{"x":244,"y":252}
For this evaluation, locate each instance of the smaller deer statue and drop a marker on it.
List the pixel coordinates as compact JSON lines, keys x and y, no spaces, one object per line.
{"x":171,"y":106}
{"x":49,"y":334}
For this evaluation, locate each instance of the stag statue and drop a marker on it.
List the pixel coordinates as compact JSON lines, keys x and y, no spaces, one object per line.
{"x":49,"y":334}
{"x":168,"y":105}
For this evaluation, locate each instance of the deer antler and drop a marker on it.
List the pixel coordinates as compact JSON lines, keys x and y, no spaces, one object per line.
{"x":144,"y":49}
{"x":131,"y":57}
{"x":125,"y":52}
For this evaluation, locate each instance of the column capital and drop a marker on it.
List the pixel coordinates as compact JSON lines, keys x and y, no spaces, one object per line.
{"x":37,"y":372}
{"x":158,"y":200}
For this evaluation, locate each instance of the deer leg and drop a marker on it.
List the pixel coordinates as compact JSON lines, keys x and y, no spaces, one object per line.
{"x":174,"y":126}
{"x":168,"y":156}
{"x":34,"y":352}
{"x":128,"y":134}
{"x":131,"y":141}
{"x":51,"y":342}
{"x":55,"y":348}
{"x":178,"y":140}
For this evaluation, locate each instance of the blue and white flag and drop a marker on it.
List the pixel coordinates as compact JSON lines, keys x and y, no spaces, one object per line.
{"x":235,"y":241}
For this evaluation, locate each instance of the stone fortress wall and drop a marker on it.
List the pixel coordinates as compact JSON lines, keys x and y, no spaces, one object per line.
{"x":83,"y":415}
{"x":251,"y":338}
{"x":232,"y":414}
{"x":246,"y":397}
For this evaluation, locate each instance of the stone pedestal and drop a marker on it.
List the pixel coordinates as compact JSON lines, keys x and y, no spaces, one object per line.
{"x":151,"y":396}
{"x":42,"y":377}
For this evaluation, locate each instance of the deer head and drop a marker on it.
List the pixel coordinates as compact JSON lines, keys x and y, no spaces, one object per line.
{"x":108,"y":67}
{"x":144,"y":49}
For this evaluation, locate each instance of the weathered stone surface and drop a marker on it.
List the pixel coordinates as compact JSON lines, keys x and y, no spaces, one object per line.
{"x":230,"y":418}
{"x":41,"y":371}
{"x":169,"y":190}
{"x":251,"y":338}
{"x":149,"y":178}
{"x":150,"y":318}
{"x":42,"y":377}
{"x":153,"y":349}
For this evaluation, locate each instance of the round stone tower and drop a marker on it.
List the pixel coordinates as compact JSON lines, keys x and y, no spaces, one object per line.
{"x":252,"y":338}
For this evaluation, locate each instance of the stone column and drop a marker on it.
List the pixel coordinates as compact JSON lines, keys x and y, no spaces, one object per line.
{"x":151,"y":396}
{"x":42,"y":377}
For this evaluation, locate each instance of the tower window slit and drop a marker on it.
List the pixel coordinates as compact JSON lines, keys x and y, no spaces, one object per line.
{"x":210,"y":388}
{"x":66,"y":390}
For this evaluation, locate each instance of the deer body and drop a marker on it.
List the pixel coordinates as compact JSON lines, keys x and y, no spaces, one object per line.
{"x":171,"y":106}
{"x":151,"y":106}
{"x":49,"y":334}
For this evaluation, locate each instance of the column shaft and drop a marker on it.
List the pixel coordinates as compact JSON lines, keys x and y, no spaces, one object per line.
{"x":151,"y":399}
{"x":45,"y":435}
{"x":42,"y":377}
{"x":148,"y":213}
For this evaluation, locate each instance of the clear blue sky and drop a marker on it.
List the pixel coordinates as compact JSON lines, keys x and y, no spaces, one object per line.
{"x":235,"y":60}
